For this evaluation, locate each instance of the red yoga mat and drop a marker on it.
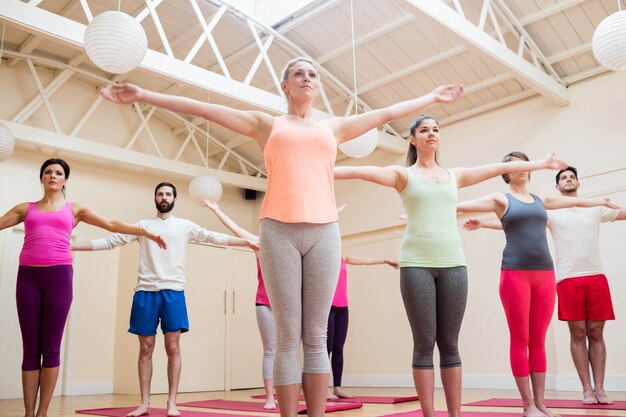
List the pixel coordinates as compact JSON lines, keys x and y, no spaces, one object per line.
{"x":258,"y":407}
{"x":363,"y":399}
{"x":575,"y":404}
{"x":122,"y":411}
{"x":418,"y":413}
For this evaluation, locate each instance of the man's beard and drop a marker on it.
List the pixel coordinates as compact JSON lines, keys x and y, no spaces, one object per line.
{"x":164,"y":206}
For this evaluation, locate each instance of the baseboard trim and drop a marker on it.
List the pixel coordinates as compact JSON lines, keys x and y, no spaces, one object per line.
{"x":89,"y":388}
{"x":553,"y":382}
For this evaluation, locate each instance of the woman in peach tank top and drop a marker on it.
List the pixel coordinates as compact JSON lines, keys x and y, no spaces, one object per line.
{"x":299,"y":237}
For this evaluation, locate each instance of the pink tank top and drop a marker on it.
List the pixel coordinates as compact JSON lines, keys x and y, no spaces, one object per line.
{"x":47,"y":236}
{"x":341,"y":293}
{"x":300,"y":183}
{"x":261,"y":294}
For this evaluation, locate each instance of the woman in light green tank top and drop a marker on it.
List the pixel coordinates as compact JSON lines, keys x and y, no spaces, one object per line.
{"x":433,"y":278}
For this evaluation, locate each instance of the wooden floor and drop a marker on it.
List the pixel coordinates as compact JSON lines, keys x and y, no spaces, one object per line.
{"x":65,"y":406}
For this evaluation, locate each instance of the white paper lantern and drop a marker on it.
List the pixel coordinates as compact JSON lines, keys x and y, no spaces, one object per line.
{"x":115,"y":42}
{"x":205,"y":186}
{"x":7,"y":143}
{"x":609,"y":41}
{"x":361,"y":146}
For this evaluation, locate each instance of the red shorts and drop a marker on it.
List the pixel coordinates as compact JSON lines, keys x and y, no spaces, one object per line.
{"x":585,"y":298}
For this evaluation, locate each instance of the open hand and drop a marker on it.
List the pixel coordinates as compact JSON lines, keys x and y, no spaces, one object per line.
{"x":394,"y":264}
{"x":553,"y":163}
{"x":210,"y":204}
{"x":608,"y":203}
{"x":252,"y":244}
{"x":122,"y":93}
{"x":447,"y":93}
{"x":472,"y":224}
{"x":158,"y":239}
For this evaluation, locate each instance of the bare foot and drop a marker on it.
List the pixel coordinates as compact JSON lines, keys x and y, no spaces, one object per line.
{"x":142,"y":410}
{"x":532,"y":411}
{"x":545,"y":410}
{"x":270,"y":404}
{"x":172,"y":411}
{"x":602,"y":398}
{"x":589,"y":397}
{"x":331,"y":396}
{"x":339,"y":393}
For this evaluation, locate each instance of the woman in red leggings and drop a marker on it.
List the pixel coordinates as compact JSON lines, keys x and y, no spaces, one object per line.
{"x":527,"y":281}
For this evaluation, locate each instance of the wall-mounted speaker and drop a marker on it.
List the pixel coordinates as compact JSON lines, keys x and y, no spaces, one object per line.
{"x":249,"y":194}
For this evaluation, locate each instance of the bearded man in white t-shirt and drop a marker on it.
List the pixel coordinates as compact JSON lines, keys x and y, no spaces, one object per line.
{"x":583,"y":290}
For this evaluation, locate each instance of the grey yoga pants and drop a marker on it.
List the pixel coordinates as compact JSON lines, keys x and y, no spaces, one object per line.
{"x":267,"y":328}
{"x":300,"y":264}
{"x":434,"y":299}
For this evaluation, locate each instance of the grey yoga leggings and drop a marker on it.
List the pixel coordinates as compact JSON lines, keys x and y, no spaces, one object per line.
{"x":267,"y":328}
{"x":300,"y":264}
{"x":434,"y":299}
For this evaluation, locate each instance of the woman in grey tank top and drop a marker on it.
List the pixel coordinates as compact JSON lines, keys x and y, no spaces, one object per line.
{"x":527,"y":281}
{"x":434,"y":292}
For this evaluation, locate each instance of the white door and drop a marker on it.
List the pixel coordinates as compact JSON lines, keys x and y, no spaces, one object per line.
{"x":246,"y":349}
{"x":203,"y":347}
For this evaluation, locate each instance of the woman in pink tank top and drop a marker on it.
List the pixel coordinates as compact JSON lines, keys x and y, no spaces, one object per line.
{"x":44,"y":278}
{"x":299,"y":236}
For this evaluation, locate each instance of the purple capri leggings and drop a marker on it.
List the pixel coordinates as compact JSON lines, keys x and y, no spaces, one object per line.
{"x":43,"y":297}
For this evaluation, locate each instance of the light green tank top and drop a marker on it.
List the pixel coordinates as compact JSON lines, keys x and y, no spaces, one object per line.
{"x":431,"y":238}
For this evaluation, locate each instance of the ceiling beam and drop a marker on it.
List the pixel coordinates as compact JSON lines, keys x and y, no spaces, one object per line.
{"x":70,"y":33}
{"x":480,"y":41}
{"x":86,"y":148}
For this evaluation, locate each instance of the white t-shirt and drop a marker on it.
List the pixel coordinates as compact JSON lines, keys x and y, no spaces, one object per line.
{"x":576,"y":234}
{"x":162,"y":269}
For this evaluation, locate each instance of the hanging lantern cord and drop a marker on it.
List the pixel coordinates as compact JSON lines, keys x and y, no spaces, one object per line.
{"x":356,"y":103}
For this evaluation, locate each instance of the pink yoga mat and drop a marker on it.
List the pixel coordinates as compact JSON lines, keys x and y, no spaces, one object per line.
{"x":576,"y":404}
{"x":418,"y":413}
{"x":363,"y":399}
{"x":258,"y":407}
{"x":122,"y":411}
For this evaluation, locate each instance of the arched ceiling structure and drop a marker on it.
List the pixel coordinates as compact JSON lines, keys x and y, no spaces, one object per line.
{"x":503,"y":51}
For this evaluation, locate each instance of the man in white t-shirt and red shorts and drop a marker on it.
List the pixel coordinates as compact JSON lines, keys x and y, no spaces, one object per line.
{"x":583,"y":290}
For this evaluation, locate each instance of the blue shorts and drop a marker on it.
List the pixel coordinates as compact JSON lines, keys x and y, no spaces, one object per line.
{"x":149,"y":306}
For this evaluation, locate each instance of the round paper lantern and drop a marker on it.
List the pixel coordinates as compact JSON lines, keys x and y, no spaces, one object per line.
{"x":7,"y":143}
{"x":205,"y":186}
{"x":609,"y":41}
{"x":361,"y":146}
{"x":115,"y":42}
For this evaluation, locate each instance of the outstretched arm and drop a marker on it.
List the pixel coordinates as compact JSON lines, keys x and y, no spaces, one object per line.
{"x":392,"y":176}
{"x":13,"y":216}
{"x":475,"y":224}
{"x":254,"y":124}
{"x":492,"y":203}
{"x":87,"y":215}
{"x":354,"y":260}
{"x":228,"y":222}
{"x":471,"y":176}
{"x":347,"y":128}
{"x":621,"y":215}
{"x":558,"y":202}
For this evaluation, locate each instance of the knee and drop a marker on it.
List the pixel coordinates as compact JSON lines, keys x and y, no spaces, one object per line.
{"x":51,"y":359}
{"x":146,"y":349}
{"x":172,"y":349}
{"x":578,"y":334}
{"x":423,"y":360}
{"x":595,"y":334}
{"x":269,"y":349}
{"x":31,"y":362}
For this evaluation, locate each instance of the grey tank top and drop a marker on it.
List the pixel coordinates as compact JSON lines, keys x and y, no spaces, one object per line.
{"x":524,"y":225}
